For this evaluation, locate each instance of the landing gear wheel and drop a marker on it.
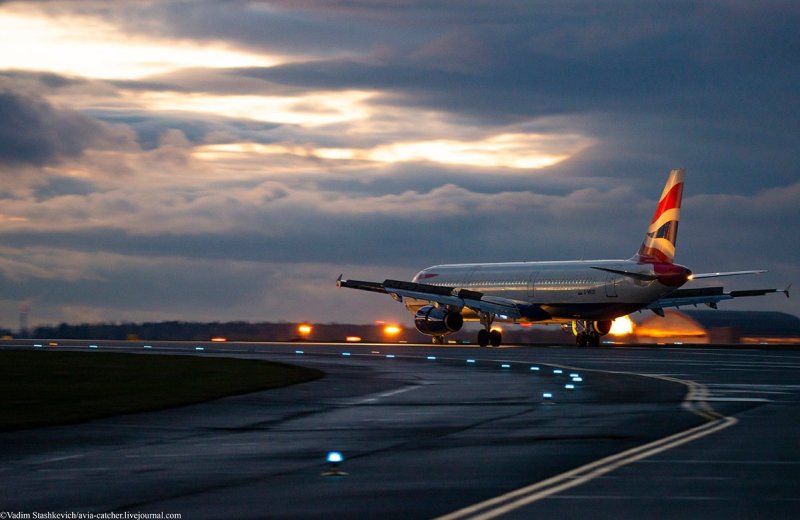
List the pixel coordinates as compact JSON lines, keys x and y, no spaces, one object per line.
{"x":594,"y":339}
{"x":495,"y":338}
{"x":582,"y":339}
{"x":438,"y":340}
{"x":483,"y":337}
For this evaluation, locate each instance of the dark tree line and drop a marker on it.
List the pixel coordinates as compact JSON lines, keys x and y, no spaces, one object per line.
{"x":264,"y":331}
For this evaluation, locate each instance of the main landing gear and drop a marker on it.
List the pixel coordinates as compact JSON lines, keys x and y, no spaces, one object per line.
{"x":588,"y":333}
{"x":487,"y":336}
{"x":588,"y":339}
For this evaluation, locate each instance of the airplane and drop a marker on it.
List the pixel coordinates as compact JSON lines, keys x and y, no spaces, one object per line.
{"x":584,"y":296}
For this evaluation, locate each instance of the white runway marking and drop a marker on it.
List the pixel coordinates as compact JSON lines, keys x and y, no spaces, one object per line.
{"x":694,"y":402}
{"x":387,"y":394}
{"x":508,"y":502}
{"x":59,"y":459}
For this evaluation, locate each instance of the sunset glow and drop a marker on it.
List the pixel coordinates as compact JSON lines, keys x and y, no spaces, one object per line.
{"x":319,"y":108}
{"x":516,"y":151}
{"x":88,"y":47}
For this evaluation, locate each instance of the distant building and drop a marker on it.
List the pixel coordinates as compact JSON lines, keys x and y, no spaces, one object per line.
{"x":717,"y":327}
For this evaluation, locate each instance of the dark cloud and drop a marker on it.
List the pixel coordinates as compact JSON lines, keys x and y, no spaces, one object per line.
{"x":150,"y":128}
{"x":60,"y":186}
{"x":34,"y":132}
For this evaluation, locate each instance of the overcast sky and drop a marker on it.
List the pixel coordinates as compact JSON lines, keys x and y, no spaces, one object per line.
{"x":226,"y":160}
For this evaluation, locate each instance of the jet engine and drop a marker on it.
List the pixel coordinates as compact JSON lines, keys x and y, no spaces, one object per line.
{"x":433,"y":321}
{"x":603,"y":327}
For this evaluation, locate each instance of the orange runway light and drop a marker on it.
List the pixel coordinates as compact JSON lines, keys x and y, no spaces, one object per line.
{"x":353,"y":339}
{"x":392,"y":330}
{"x":304,"y":329}
{"x":219,"y":339}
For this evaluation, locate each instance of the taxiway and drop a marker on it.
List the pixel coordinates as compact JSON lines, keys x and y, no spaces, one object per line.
{"x":451,"y":432}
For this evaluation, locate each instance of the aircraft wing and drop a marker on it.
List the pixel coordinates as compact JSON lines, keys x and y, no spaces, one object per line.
{"x":453,"y":297}
{"x":707,"y":295}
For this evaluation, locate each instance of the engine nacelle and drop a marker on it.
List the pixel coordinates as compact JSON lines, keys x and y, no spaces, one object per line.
{"x":433,"y":321}
{"x":603,"y":327}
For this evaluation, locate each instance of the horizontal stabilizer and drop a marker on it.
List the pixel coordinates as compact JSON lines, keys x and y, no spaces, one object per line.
{"x":629,"y":274}
{"x":719,"y":275}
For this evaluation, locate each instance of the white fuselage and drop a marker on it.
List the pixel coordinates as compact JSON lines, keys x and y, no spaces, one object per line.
{"x":564,"y":291}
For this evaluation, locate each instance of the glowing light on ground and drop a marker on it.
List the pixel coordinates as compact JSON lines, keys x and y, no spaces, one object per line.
{"x":90,"y":47}
{"x":304,"y":329}
{"x":392,"y":330}
{"x":621,"y":326}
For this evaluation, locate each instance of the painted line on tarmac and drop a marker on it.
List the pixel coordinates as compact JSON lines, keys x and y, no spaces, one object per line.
{"x":387,"y":394}
{"x":516,"y":499}
{"x":694,"y":402}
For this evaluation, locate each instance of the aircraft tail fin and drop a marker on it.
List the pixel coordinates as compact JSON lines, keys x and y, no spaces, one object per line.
{"x":662,"y":234}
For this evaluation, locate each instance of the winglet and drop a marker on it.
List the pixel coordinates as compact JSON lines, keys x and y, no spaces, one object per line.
{"x":339,"y":280}
{"x":786,"y":291}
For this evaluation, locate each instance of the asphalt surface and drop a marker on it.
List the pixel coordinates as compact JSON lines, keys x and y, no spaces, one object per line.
{"x":440,"y":432}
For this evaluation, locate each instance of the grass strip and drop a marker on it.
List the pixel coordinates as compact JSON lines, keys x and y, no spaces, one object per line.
{"x":42,"y":388}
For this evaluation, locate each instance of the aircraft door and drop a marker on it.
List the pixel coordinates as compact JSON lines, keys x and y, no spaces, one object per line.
{"x":611,"y":285}
{"x":532,"y":284}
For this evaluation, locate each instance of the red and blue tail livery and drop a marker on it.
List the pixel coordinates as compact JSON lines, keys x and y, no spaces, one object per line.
{"x":662,"y":235}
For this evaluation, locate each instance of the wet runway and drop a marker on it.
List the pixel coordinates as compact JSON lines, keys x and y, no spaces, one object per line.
{"x":441,"y":432}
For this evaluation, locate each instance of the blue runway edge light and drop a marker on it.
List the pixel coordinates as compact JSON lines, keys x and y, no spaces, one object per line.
{"x":345,"y":353}
{"x":470,"y":361}
{"x":432,"y":358}
{"x":299,"y":352}
{"x":569,"y":387}
{"x":558,"y":371}
{"x":535,"y":369}
{"x":547,"y":395}
{"x":505,"y":365}
{"x":390,"y":355}
{"x":334,"y":457}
